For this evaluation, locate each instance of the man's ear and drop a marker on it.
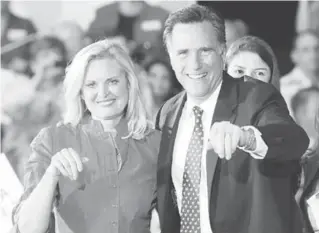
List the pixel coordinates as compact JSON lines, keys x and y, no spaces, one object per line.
{"x":223,"y":55}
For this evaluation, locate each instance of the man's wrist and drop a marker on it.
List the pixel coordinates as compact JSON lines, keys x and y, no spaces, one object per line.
{"x":247,"y":139}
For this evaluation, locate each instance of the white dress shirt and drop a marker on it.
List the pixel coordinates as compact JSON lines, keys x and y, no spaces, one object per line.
{"x":183,"y":136}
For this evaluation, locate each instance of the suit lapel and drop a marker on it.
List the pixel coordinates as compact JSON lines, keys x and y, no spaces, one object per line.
{"x":225,"y":110}
{"x":166,"y":152}
{"x":173,"y":121}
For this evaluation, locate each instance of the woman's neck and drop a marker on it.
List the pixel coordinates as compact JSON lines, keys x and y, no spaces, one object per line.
{"x":110,"y":124}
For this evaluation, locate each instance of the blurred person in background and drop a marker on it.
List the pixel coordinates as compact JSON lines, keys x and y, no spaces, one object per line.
{"x":72,"y":35}
{"x":162,"y":82}
{"x":307,"y":16}
{"x":136,"y":21}
{"x":253,"y":57}
{"x":305,"y":56}
{"x":34,"y":103}
{"x":235,"y":29}
{"x":15,"y":29}
{"x":305,"y":106}
{"x":100,"y":172}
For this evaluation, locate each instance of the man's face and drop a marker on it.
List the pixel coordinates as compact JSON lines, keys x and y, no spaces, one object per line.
{"x":197,"y":58}
{"x":307,"y":52}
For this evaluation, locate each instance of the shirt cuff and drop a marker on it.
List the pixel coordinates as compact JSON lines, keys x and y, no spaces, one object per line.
{"x":261,"y":147}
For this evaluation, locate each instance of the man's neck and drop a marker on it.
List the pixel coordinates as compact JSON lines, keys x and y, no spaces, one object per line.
{"x":200,"y":100}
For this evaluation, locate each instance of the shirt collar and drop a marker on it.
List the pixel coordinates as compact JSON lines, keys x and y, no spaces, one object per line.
{"x":121,"y":129}
{"x":206,"y":106}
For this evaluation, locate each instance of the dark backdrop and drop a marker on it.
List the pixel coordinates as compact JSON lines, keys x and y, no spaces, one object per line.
{"x":273,"y":21}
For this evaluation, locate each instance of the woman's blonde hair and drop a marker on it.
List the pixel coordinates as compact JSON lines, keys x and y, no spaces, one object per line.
{"x":138,"y":123}
{"x":262,"y":48}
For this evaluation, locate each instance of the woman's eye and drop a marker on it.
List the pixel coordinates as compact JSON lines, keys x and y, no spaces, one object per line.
{"x":90,"y":85}
{"x":114,"y":81}
{"x":261,"y":74}
{"x":240,"y":72}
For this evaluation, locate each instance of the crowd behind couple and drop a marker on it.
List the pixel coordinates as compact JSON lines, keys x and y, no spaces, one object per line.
{"x":226,"y":154}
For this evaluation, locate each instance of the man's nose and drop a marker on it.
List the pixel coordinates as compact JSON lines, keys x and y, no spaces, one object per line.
{"x":195,"y":62}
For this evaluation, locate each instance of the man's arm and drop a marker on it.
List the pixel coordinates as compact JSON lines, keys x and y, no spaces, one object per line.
{"x":285,"y":139}
{"x":274,"y":134}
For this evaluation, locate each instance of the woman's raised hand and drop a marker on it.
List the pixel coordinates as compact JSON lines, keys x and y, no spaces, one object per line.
{"x":68,"y":163}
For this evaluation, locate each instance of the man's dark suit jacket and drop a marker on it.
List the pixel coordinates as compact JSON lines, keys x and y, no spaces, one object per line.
{"x":246,"y":195}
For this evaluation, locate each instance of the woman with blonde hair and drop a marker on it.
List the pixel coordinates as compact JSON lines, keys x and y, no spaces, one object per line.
{"x":254,"y":57}
{"x":96,"y":172}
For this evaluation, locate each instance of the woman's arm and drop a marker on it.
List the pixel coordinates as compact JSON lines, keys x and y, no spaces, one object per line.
{"x":42,"y":174}
{"x":35,"y":212}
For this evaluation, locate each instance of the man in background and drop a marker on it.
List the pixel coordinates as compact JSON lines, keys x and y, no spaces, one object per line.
{"x":305,"y":56}
{"x":14,"y":29}
{"x":72,"y":35}
{"x":136,"y":21}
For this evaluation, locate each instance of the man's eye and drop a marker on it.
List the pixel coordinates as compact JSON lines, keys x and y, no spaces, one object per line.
{"x":206,"y":51}
{"x":182,"y":53}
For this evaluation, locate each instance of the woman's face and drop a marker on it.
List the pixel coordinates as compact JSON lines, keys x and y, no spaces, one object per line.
{"x":105,"y":89}
{"x":250,"y":64}
{"x":160,"y":80}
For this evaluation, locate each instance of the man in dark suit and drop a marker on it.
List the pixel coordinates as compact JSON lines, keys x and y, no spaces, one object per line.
{"x":139,"y":23}
{"x":229,"y":148}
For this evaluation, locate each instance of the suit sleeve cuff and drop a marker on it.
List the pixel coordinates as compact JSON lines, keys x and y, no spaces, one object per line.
{"x":261,"y":147}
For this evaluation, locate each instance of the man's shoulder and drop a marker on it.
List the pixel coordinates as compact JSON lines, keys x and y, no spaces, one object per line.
{"x":252,"y":85}
{"x":112,"y":7}
{"x":255,"y":92}
{"x":173,"y":102}
{"x":169,"y":109}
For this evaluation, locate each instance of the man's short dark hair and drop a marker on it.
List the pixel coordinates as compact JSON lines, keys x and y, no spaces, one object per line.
{"x":195,"y":14}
